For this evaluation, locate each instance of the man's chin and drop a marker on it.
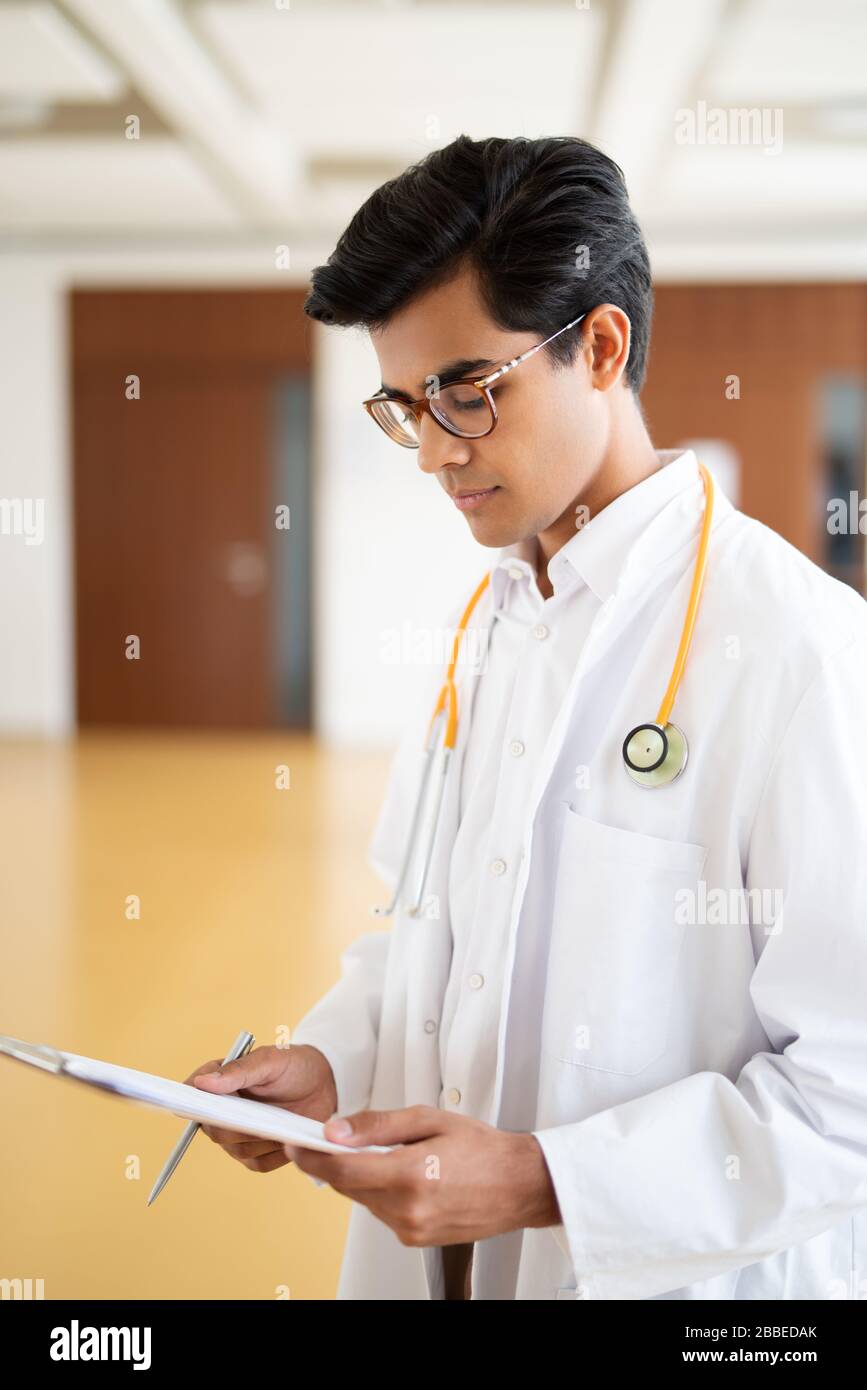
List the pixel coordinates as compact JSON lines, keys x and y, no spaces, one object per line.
{"x":494,"y":536}
{"x":490,"y":530}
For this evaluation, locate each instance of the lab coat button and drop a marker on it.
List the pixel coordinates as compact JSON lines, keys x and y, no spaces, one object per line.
{"x":515,"y":572}
{"x":498,"y":866}
{"x":516,"y":748}
{"x":430,"y":1025}
{"x":540,"y":632}
{"x":454,"y":1096}
{"x":476,"y":981}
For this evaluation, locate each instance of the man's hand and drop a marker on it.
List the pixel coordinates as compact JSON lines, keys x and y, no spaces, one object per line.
{"x":292,"y":1078}
{"x":453,"y":1179}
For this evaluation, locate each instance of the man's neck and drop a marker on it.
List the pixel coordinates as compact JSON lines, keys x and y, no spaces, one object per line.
{"x":619,"y":471}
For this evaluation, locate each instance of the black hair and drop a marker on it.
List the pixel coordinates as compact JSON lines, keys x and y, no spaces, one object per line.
{"x":546,"y":224}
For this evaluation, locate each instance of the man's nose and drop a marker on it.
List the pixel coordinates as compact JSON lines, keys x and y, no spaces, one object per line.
{"x":439,"y":447}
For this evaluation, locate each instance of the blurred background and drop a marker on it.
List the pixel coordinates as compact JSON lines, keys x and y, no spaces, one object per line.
{"x":216,"y":574}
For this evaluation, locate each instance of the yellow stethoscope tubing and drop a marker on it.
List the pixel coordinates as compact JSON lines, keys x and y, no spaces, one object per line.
{"x":694,"y":600}
{"x":447,"y":706}
{"x":448,"y":694}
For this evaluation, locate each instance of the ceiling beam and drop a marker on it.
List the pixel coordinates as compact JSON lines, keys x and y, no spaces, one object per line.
{"x":151,"y":41}
{"x":653,"y":58}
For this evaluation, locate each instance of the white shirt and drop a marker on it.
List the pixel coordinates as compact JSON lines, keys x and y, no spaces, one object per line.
{"x":533,"y":646}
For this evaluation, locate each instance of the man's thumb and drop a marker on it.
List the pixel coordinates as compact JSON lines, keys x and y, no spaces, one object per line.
{"x":385,"y":1126}
{"x":232,"y":1076}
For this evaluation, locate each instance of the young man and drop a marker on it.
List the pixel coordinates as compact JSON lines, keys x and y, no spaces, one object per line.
{"x":621,"y":1049}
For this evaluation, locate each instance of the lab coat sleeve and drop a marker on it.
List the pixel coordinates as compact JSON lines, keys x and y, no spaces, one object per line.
{"x":344,"y":1024}
{"x":710,"y":1174}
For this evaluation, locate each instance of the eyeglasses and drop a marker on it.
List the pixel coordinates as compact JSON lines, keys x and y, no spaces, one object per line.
{"x":465,"y":408}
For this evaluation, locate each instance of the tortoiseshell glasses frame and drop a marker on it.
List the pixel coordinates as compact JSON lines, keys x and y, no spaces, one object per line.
{"x":401,"y":420}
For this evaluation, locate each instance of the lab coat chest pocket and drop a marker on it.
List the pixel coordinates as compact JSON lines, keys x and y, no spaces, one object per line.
{"x":616,"y":933}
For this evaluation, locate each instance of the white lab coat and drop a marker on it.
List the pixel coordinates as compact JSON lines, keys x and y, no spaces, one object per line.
{"x":712,"y":1143}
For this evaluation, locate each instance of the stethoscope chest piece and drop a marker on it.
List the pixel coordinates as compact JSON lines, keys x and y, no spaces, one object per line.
{"x":654,"y":754}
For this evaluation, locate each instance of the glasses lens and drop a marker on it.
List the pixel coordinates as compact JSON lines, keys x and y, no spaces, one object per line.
{"x":463,"y":409}
{"x":399,"y":423}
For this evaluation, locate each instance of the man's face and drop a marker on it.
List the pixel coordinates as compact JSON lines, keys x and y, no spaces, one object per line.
{"x":551,"y":429}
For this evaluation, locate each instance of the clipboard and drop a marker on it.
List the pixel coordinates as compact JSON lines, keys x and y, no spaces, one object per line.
{"x":254,"y":1117}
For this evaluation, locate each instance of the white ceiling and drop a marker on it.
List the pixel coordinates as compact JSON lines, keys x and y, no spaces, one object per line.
{"x":276,"y":118}
{"x":367,"y":79}
{"x":77,"y":183}
{"x":793,"y":51}
{"x":42,"y":57}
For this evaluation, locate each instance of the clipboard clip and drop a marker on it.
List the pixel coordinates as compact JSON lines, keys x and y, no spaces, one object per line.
{"x":36,"y":1054}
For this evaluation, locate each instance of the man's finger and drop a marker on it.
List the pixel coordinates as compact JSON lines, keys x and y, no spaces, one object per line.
{"x":387,"y":1126}
{"x":256,"y":1069}
{"x":266,"y":1163}
{"x":237,"y":1142}
{"x":350,"y":1174}
{"x":213,"y":1065}
{"x":255,"y":1148}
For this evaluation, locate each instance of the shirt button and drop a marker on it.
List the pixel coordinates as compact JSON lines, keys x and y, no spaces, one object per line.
{"x":430,"y":1025}
{"x":476,"y":981}
{"x":498,"y":866}
{"x":516,"y":748}
{"x":540,"y":632}
{"x":453,"y":1096}
{"x":515,"y":572}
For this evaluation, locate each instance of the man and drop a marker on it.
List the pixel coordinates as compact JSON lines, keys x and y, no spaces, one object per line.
{"x":621,"y":1051}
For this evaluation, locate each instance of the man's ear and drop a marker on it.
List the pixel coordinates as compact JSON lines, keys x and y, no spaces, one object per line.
{"x":606,"y":341}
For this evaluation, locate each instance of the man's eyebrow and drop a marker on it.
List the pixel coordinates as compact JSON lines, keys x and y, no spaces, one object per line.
{"x":451,"y":371}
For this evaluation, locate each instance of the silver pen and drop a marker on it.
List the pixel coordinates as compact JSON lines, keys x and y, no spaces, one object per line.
{"x":240,"y":1047}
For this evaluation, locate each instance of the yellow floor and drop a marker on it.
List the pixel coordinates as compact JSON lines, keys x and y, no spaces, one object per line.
{"x":248,"y":895}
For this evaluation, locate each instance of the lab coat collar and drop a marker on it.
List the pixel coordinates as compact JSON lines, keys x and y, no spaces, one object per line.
{"x":636,"y":531}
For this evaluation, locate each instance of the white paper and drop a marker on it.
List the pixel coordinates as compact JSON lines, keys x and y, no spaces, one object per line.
{"x":253,"y":1117}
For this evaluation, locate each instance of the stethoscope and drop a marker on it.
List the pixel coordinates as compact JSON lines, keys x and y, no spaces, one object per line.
{"x":654,"y":754}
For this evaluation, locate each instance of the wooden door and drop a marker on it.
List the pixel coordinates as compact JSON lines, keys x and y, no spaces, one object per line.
{"x":777,"y":345}
{"x":174,"y":503}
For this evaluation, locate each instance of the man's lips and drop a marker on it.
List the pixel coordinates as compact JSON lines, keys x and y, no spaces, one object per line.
{"x":469,"y":498}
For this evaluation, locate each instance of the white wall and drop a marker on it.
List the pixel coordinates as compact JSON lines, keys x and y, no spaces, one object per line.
{"x":395,"y":556}
{"x":389,"y":548}
{"x":36,"y":684}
